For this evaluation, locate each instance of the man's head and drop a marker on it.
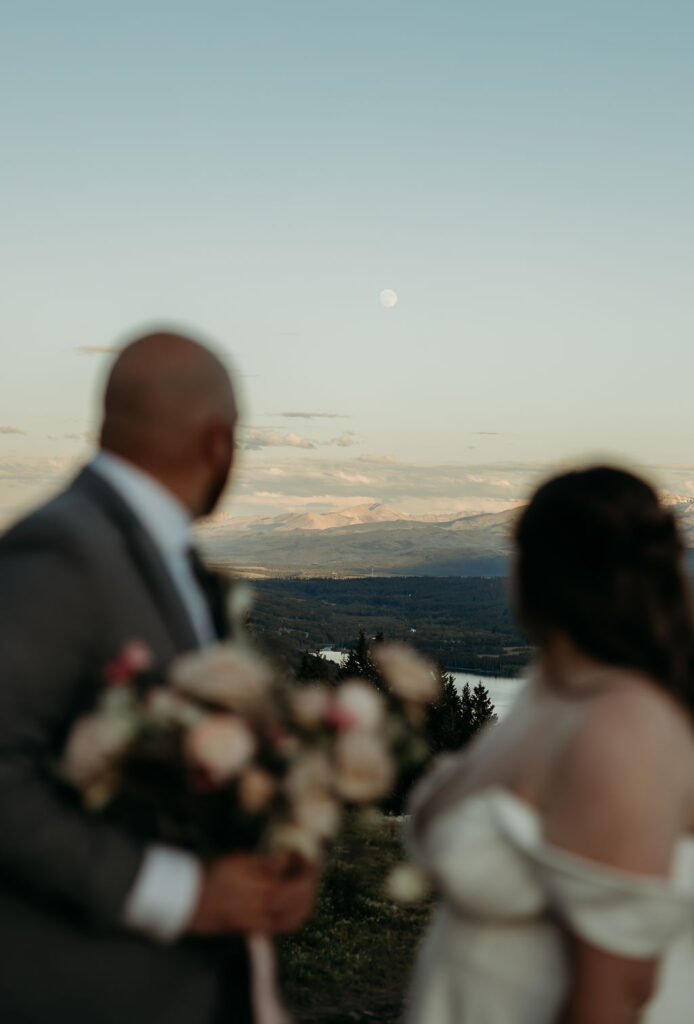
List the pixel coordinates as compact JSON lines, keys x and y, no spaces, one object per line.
{"x":169,"y":408}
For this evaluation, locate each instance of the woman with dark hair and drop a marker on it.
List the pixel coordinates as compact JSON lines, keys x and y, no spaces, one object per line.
{"x":562,"y":840}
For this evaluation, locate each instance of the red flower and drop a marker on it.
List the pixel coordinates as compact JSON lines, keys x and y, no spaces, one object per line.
{"x":339,"y":717}
{"x":134,"y":657}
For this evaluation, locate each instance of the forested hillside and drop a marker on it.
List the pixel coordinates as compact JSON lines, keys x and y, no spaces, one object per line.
{"x":465,"y":622}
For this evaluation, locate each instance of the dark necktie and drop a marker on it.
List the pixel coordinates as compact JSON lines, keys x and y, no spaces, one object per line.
{"x":213,"y":591}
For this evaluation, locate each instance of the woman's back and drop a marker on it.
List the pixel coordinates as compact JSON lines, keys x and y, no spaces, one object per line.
{"x":561,"y":840}
{"x":497,"y":952}
{"x":594,"y":743}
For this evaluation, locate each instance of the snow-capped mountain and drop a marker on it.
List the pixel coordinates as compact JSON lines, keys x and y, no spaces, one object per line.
{"x":362,"y":538}
{"x":373,"y":538}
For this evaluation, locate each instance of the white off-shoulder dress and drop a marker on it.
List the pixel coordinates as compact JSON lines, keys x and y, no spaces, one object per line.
{"x":496,"y":953}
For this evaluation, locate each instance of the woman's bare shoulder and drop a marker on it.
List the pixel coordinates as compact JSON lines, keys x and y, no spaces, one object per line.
{"x":622,"y":783}
{"x":631,"y":706}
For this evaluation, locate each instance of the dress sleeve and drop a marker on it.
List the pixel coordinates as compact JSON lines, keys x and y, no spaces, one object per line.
{"x":622,"y":914}
{"x":617,"y":911}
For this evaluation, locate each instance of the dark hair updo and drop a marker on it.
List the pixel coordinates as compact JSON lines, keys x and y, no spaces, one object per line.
{"x":600,"y":559}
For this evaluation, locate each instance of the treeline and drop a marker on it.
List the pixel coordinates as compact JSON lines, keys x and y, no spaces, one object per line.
{"x":450,"y":723}
{"x":464,"y":622}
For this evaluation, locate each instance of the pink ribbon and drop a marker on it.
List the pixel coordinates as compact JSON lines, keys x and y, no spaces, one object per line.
{"x":267,"y":1002}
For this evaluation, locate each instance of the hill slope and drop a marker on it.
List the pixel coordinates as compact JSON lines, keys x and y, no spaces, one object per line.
{"x":362,"y":540}
{"x":373,"y":539}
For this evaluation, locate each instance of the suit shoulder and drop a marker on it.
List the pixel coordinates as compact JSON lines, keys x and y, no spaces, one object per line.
{"x":69,"y":523}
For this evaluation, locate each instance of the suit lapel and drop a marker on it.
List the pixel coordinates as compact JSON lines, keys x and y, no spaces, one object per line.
{"x":219,"y":607}
{"x":145,"y":557}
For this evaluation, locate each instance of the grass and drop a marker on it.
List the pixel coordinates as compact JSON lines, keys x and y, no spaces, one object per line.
{"x":352,"y":962}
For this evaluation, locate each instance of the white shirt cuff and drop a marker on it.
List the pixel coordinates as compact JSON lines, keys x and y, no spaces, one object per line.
{"x":165,"y":893}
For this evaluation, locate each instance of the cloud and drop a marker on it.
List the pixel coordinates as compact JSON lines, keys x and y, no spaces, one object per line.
{"x":257,"y":438}
{"x":45,"y":469}
{"x":25,"y":482}
{"x":407,"y":486}
{"x":345,"y":440}
{"x":311,"y":415}
{"x":11,"y":430}
{"x":95,"y":350}
{"x":379,"y":460}
{"x":315,"y":503}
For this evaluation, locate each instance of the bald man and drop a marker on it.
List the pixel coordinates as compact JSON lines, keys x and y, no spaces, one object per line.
{"x":96,"y":925}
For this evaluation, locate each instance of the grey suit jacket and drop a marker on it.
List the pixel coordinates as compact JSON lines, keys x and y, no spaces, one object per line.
{"x":78,"y":578}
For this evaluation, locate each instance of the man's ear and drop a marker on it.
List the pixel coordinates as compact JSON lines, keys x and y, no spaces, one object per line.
{"x":218,"y":444}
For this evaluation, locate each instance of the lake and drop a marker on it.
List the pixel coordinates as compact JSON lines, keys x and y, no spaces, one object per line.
{"x":502,"y":689}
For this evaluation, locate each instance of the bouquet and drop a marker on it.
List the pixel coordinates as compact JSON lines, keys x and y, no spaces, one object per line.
{"x":227,"y":753}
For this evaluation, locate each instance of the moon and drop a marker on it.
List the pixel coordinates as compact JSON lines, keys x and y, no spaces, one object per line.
{"x":388,"y":298}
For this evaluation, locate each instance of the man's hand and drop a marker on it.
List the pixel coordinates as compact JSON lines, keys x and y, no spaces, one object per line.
{"x":243,"y":893}
{"x":294,"y":898}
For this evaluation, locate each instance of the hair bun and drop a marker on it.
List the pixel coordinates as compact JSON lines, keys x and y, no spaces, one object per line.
{"x":658,"y":537}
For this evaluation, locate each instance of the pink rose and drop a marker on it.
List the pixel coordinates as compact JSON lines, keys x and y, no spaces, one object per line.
{"x":309,"y":704}
{"x":256,"y":788}
{"x":339,"y":717}
{"x":364,"y":770}
{"x":410,"y":676}
{"x":220,"y":746}
{"x":224,"y":674}
{"x":361,"y":703}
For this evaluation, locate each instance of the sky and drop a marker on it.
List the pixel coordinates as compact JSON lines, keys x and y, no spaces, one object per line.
{"x":258,"y":172}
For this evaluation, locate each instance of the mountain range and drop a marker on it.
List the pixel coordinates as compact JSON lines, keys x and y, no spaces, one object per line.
{"x":361,"y":540}
{"x":373,"y":539}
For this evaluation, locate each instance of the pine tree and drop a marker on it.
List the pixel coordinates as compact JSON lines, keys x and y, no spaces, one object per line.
{"x":359,"y":662}
{"x":314,"y":666}
{"x":483,"y":710}
{"x":446,"y":725}
{"x":467,"y":710}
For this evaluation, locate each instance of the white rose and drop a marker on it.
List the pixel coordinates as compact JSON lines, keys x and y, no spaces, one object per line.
{"x":96,"y":795}
{"x":167,"y":708}
{"x":239,"y":602}
{"x":365,"y":771}
{"x":290,"y":836}
{"x":256,"y":788}
{"x":308,"y":704}
{"x":311,"y":772}
{"x":318,"y":813}
{"x":410,"y":676}
{"x":225,"y":674}
{"x":362,"y":702}
{"x":407,"y":884}
{"x":310,"y":787}
{"x":95,"y":742}
{"x":221,"y":745}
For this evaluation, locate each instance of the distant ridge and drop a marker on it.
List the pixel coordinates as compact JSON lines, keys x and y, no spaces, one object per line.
{"x":360,"y":540}
{"x":355,"y":515}
{"x":375,"y":539}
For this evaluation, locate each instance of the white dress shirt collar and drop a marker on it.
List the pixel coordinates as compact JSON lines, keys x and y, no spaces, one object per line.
{"x":165,"y":518}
